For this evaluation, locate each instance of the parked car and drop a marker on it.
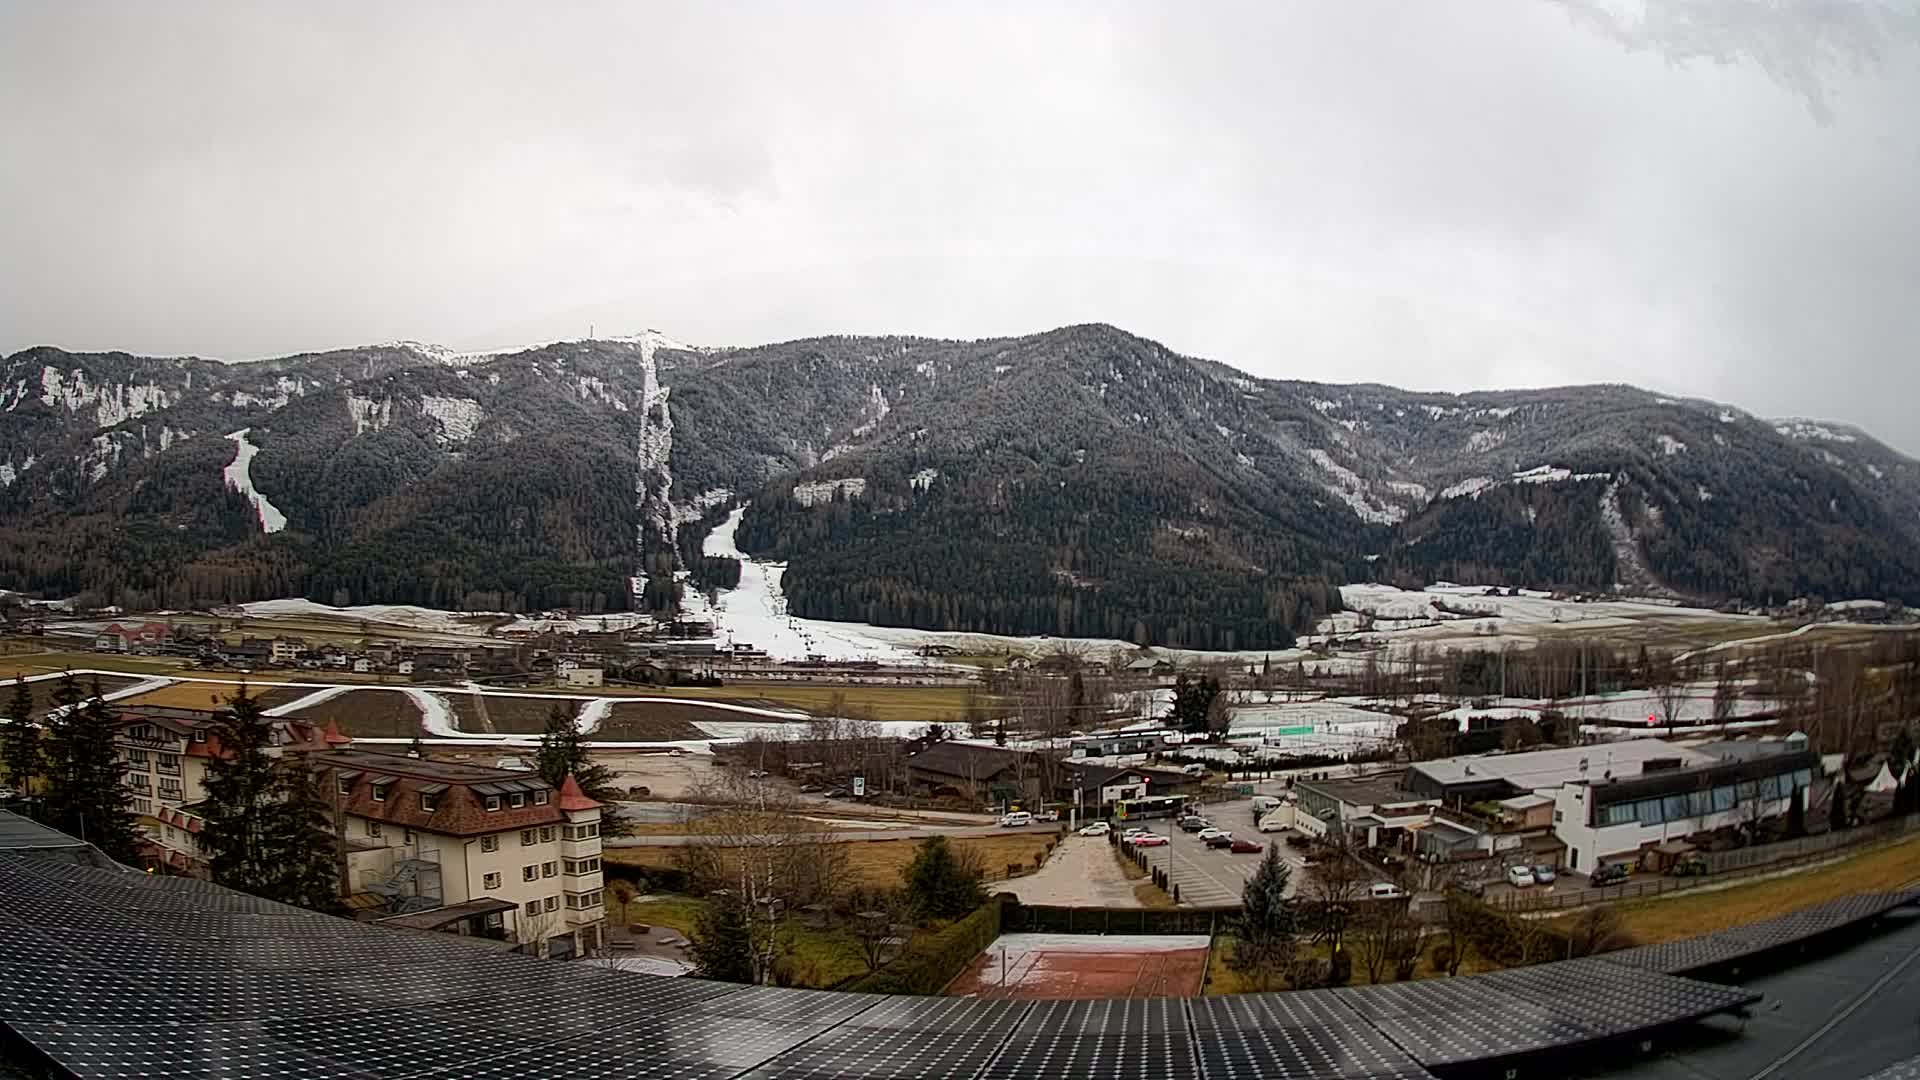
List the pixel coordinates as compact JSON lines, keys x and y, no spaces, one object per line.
{"x":1098,"y":828}
{"x":1543,"y":874}
{"x":1046,"y":815}
{"x":1193,"y":823}
{"x":1219,"y":839}
{"x":1194,"y":769}
{"x":1017,"y":819}
{"x":1272,"y":823}
{"x":1245,"y":847}
{"x":1134,"y":830}
{"x":1608,"y":874}
{"x":1520,"y":877}
{"x":1209,"y":833}
{"x":1149,"y":840}
{"x":1385,"y":890}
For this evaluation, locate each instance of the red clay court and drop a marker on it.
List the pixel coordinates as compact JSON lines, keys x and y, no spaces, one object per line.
{"x":1086,"y":966}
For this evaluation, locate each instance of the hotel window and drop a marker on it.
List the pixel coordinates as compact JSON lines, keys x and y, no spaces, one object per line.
{"x":170,"y":789}
{"x":167,"y":763}
{"x":553,"y":903}
{"x":139,"y":781}
{"x":533,"y":907}
{"x":406,"y":836}
{"x":490,"y":881}
{"x":142,"y":806}
{"x":546,"y":834}
{"x":582,"y":866}
{"x":493,"y":803}
{"x":346,"y":786}
{"x":489,"y":843}
{"x":529,"y":873}
{"x":200,"y":735}
{"x":373,"y":828}
{"x":429,"y":803}
{"x":548,"y":869}
{"x":540,"y":798}
{"x":137,"y":758}
{"x":516,"y":800}
{"x":379,"y":791}
{"x":526,"y":837}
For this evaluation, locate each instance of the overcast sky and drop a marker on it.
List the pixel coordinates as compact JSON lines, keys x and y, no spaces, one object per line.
{"x":1710,"y":197}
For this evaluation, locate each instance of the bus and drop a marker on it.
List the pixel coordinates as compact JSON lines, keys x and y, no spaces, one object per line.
{"x":1152,"y":806}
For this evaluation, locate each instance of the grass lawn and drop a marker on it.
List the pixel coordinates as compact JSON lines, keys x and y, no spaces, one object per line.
{"x":877,"y":863}
{"x":1222,"y":979}
{"x":1690,"y":914}
{"x":820,"y":958}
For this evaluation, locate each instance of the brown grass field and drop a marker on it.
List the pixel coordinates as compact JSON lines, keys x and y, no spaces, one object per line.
{"x":875,"y":864}
{"x":42,"y":663}
{"x":507,"y":715}
{"x":43,"y":691}
{"x":380,"y":714}
{"x":1690,"y":914}
{"x":922,"y":703}
{"x":647,"y":721}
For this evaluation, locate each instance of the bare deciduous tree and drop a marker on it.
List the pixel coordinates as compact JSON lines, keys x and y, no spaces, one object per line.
{"x":1386,"y":937}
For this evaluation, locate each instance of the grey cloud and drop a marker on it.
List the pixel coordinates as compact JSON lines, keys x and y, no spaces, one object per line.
{"x":1708,"y":198}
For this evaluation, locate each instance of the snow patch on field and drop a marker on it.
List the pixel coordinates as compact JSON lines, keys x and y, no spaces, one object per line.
{"x":406,"y":615}
{"x":1472,"y":485}
{"x":457,"y":418}
{"x":239,"y":478}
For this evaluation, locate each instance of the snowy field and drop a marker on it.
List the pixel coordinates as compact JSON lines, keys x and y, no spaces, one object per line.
{"x":1467,"y":612}
{"x":1335,"y":728}
{"x":1626,"y":707}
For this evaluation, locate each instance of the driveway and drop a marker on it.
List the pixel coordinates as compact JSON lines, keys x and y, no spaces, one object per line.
{"x":1082,"y":872}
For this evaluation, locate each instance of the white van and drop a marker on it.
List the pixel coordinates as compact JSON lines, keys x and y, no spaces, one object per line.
{"x":1194,"y":769}
{"x":1016,"y":820}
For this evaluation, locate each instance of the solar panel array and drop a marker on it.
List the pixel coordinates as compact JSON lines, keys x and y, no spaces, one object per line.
{"x":1743,"y":942}
{"x":109,"y":972}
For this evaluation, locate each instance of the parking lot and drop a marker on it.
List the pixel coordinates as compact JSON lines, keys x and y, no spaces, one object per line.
{"x":1214,"y":877}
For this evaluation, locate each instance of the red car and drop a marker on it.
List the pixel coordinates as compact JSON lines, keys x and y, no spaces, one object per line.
{"x":1246,"y":847}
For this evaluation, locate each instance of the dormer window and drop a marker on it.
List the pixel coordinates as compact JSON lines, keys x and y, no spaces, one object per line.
{"x":493,"y":803}
{"x":199,"y":734}
{"x":540,"y":798}
{"x":380,"y":787}
{"x":516,"y":800}
{"x":430,"y":796}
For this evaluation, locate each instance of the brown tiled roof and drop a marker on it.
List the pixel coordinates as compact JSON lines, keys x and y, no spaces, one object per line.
{"x":572,"y":798}
{"x":461,"y":810}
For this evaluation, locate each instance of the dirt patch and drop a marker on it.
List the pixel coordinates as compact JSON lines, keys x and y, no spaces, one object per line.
{"x":362,"y":714}
{"x":650,"y":721}
{"x":43,"y":691}
{"x":1057,"y":967}
{"x":1083,"y":872}
{"x":504,"y":715}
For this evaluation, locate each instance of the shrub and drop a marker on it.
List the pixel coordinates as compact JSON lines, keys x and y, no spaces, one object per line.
{"x":932,"y":961}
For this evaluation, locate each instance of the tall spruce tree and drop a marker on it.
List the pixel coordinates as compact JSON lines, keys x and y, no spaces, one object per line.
{"x":563,"y":752}
{"x":266,"y":827}
{"x":1264,"y":948}
{"x":723,"y":940}
{"x":20,"y":740}
{"x":86,"y":796}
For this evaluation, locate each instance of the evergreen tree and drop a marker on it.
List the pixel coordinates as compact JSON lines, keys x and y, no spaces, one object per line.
{"x":722,"y":940}
{"x":563,"y":752}
{"x":1193,"y":699}
{"x":941,"y":884}
{"x":266,"y":826}
{"x":85,"y":794}
{"x":20,"y":740}
{"x":1263,"y":933}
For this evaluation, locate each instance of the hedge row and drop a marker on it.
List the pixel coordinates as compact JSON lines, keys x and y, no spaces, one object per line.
{"x":931,"y":962}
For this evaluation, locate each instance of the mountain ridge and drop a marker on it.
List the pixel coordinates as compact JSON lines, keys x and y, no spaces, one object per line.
{"x":1079,"y":478}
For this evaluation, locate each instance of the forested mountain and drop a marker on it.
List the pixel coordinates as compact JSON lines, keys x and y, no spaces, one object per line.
{"x":1081,"y":481}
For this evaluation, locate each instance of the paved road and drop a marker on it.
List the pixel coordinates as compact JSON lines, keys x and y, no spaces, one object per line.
{"x":1214,"y":877}
{"x":919,"y":832}
{"x":1846,"y":1015}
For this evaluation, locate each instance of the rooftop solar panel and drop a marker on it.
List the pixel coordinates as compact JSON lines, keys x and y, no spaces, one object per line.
{"x":179,"y":1050}
{"x":1353,"y":1050}
{"x":1901,"y":1070}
